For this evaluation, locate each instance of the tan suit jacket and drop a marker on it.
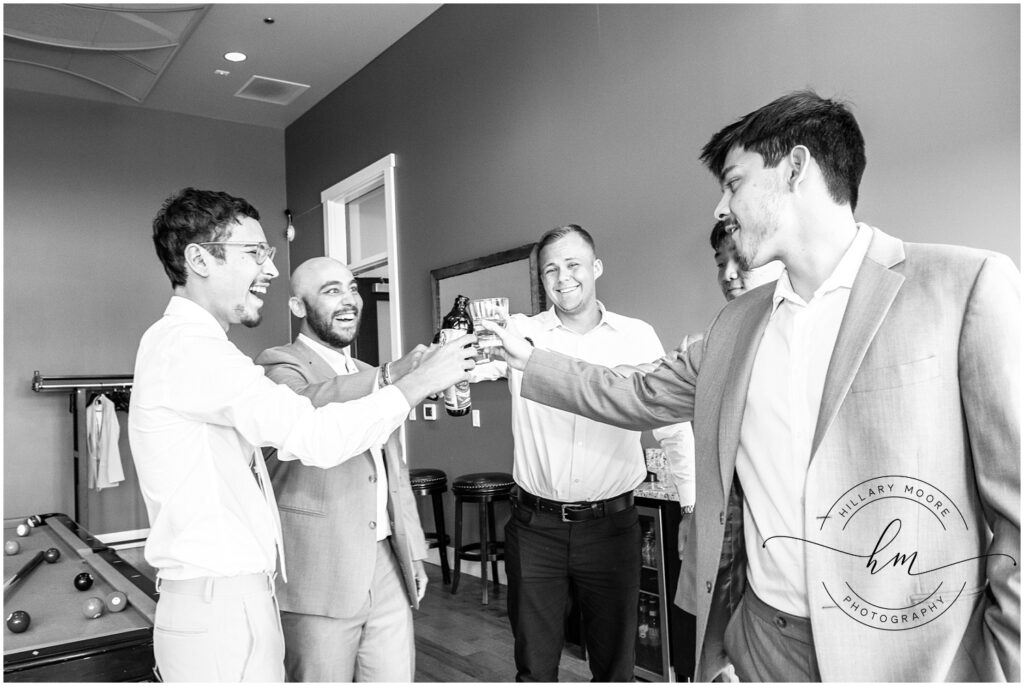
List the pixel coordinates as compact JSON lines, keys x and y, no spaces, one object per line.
{"x":921,"y":405}
{"x":326,"y":513}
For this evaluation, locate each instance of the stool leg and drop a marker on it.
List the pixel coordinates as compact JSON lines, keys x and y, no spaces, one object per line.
{"x":494,"y":543}
{"x":484,"y":548}
{"x":442,"y":538}
{"x":458,"y":544}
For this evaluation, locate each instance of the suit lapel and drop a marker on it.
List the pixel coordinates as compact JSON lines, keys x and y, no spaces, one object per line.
{"x":873,"y":293}
{"x":737,"y":381}
{"x":319,"y":370}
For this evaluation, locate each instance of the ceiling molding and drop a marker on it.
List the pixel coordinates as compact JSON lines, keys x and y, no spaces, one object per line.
{"x":123,"y":48}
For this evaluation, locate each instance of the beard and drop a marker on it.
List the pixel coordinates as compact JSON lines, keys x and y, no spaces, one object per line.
{"x":750,"y":236}
{"x":323,"y":326}
{"x":249,"y":319}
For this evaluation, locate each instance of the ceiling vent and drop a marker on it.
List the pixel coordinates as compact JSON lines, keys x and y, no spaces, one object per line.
{"x":274,"y":91}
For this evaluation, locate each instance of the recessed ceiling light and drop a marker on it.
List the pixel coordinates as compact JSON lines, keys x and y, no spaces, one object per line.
{"x":221,"y":72}
{"x":235,"y":56}
{"x":268,"y":20}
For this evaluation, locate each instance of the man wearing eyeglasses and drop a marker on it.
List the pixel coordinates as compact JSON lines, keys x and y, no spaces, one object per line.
{"x":199,"y":413}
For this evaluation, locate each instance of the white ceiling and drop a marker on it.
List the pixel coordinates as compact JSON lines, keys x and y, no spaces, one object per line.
{"x":166,"y":60}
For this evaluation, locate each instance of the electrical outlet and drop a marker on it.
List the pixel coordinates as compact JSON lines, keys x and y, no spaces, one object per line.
{"x":430,"y":412}
{"x":476,"y":419}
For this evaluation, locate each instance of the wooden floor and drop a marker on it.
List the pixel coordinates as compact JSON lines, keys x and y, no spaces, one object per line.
{"x":458,"y":639}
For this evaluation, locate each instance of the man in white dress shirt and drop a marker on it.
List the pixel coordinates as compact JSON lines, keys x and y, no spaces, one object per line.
{"x":573,"y":520}
{"x":352,"y":533}
{"x":199,"y":412}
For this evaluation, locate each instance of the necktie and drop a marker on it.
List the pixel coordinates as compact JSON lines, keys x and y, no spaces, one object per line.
{"x":259,"y":469}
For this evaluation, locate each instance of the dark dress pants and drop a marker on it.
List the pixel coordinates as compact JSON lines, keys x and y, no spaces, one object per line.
{"x":601,"y":559}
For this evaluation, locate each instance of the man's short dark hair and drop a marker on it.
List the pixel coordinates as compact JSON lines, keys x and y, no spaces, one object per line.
{"x":561,"y":232}
{"x":718,"y":233}
{"x":826,"y":127}
{"x":195,"y":216}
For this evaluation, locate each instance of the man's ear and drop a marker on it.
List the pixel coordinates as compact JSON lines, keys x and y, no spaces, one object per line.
{"x":598,"y":268}
{"x":297,"y":306}
{"x":195,"y":260}
{"x":799,"y":161}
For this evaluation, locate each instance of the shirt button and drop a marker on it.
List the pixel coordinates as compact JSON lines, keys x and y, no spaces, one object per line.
{"x":780,"y":622}
{"x":373,"y":525}
{"x":373,"y":478}
{"x":708,"y":584}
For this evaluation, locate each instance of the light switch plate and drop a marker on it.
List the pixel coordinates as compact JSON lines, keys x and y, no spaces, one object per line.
{"x":430,"y":412}
{"x":476,"y":419}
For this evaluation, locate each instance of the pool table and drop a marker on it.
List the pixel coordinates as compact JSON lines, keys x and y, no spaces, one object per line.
{"x":61,"y":644}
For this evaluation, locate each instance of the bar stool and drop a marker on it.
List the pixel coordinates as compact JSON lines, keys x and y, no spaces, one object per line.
{"x":434,"y":482}
{"x":485,"y":489}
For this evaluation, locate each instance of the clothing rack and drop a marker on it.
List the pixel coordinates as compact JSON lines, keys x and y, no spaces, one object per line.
{"x":82,"y":390}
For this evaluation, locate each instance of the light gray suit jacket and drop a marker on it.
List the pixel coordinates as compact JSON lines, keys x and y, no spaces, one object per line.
{"x":918,"y":424}
{"x":325,"y":513}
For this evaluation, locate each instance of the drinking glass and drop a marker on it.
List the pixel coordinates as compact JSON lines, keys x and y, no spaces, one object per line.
{"x":489,"y":309}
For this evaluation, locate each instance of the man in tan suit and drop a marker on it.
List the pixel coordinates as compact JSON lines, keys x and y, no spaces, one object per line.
{"x":857,"y":428}
{"x":352,"y":533}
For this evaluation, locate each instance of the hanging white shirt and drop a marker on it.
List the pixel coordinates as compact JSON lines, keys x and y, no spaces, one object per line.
{"x":103,"y":432}
{"x":343,"y":364}
{"x":565,"y":457}
{"x":199,"y":409}
{"x":783,"y":399}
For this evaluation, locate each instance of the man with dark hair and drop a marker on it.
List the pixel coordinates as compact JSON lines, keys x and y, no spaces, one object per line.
{"x":200,"y":410}
{"x":352,"y":533}
{"x":734,"y":281}
{"x":857,"y":427}
{"x":573,"y":521}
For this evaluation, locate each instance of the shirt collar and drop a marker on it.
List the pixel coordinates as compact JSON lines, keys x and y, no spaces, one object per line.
{"x":190,"y":310}
{"x":331,"y":356}
{"x":550,"y":321}
{"x":842,"y":276}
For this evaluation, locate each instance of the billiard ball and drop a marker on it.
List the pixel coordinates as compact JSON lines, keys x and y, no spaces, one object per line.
{"x":51,"y":555}
{"x":92,"y":608}
{"x":117,"y":601}
{"x":12,"y":547}
{"x":18,"y":621}
{"x":22,"y":530}
{"x":83,"y":582}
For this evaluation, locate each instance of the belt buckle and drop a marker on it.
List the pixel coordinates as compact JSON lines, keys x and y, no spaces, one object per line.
{"x":571,"y":507}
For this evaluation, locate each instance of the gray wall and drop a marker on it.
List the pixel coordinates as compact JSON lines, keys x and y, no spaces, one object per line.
{"x":509,"y":120}
{"x":82,"y":182}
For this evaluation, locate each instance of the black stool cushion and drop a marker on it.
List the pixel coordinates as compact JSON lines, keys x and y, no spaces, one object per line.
{"x":497,"y":483}
{"x":421,"y":478}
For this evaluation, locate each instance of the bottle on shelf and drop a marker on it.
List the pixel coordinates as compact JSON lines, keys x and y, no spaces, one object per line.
{"x":455,"y":324}
{"x":648,"y":554}
{"x":653,"y":626}
{"x":642,"y":628}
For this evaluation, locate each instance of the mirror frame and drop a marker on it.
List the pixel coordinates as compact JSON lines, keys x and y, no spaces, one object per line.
{"x":524,"y":252}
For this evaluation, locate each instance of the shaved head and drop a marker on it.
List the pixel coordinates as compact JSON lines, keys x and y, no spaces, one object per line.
{"x":325,"y":296}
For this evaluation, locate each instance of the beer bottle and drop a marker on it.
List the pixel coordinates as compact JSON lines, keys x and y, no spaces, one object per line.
{"x":455,"y":324}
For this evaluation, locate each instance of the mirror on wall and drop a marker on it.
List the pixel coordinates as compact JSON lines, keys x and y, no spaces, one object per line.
{"x":510,"y":273}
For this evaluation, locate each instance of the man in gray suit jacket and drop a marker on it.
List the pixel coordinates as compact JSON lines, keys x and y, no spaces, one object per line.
{"x":857,"y":428}
{"x":352,"y":533}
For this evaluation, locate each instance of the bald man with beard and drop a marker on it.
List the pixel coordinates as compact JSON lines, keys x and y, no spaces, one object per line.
{"x":352,"y":533}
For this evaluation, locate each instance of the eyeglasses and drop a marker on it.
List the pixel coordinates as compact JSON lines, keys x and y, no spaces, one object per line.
{"x":263,"y":250}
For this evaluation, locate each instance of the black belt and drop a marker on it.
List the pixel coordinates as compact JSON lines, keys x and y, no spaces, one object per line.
{"x":573,"y":512}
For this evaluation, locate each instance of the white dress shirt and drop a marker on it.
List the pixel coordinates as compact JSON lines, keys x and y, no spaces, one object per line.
{"x":199,"y":410}
{"x":566,"y":457}
{"x":777,"y":431}
{"x":343,"y":364}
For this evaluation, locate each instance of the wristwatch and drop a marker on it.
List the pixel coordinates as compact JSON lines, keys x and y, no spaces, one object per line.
{"x":687,"y":509}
